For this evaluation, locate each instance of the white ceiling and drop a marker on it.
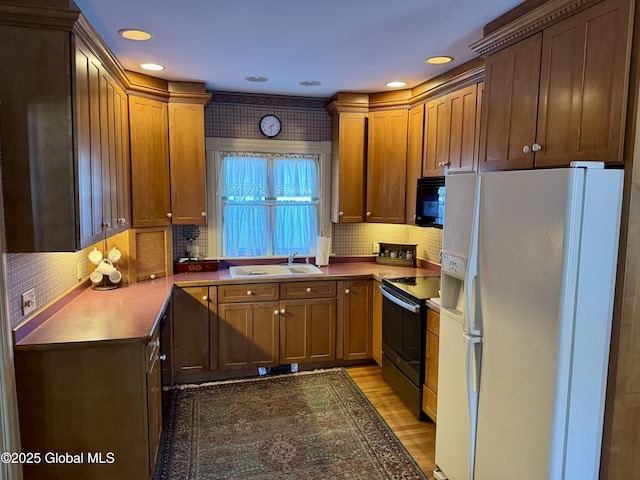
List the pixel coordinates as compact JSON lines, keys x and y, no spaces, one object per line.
{"x":348,"y":45}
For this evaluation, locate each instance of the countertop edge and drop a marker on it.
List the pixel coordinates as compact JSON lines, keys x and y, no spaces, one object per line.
{"x":70,"y":314}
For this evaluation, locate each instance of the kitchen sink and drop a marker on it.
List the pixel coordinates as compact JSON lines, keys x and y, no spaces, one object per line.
{"x":244,"y":271}
{"x":303,"y":269}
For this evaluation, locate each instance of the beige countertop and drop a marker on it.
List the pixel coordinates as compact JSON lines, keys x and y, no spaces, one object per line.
{"x":131,"y":313}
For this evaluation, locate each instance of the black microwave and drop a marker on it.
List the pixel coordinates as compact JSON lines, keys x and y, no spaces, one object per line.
{"x":430,"y":202}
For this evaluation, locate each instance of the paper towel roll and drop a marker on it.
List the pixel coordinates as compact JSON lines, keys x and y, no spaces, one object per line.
{"x":323,"y":250}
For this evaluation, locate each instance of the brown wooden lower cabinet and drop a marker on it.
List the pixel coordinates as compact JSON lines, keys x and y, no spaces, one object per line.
{"x":430,"y":387}
{"x":377,"y":323}
{"x":307,"y":330}
{"x":355,"y":305}
{"x":248,"y":334}
{"x":194,"y":339}
{"x":100,"y":402}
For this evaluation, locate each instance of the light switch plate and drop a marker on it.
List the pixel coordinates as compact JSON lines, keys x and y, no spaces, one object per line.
{"x":29,"y":302}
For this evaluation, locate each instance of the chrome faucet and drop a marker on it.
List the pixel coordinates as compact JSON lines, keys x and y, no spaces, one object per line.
{"x":291,"y":257}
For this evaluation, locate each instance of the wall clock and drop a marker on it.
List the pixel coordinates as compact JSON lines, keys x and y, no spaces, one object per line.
{"x":270,"y":125}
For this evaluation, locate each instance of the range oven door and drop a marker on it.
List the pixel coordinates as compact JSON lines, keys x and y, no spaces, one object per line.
{"x":403,"y":343}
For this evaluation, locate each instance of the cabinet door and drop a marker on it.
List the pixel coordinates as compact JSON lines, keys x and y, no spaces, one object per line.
{"x":248,"y":334}
{"x":150,"y":185}
{"x":107,"y":148}
{"x":154,"y":401}
{"x":307,"y":330}
{"x":387,"y":166}
{"x":123,"y":161}
{"x":414,"y":160}
{"x":187,"y":164}
{"x":461,"y":140}
{"x":510,"y":105}
{"x":377,"y":323}
{"x":356,"y":301}
{"x":190,"y":332}
{"x":349,"y":133}
{"x":87,"y":80}
{"x":435,"y":137}
{"x":583,"y":85}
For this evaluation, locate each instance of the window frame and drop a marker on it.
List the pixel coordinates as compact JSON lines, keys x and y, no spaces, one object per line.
{"x":215,"y":145}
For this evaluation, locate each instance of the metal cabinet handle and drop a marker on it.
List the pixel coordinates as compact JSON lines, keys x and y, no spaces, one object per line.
{"x":282,"y":311}
{"x":163,"y":356}
{"x":203,"y":214}
{"x":347,"y":291}
{"x":276,"y":312}
{"x":205,"y":298}
{"x":169,"y":215}
{"x":249,"y":292}
{"x":368,"y":214}
{"x":526,"y":149}
{"x":308,"y":289}
{"x":536,"y":148}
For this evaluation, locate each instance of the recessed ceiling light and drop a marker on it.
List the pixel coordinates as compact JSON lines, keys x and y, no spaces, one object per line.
{"x":133,"y":34}
{"x":439,"y":60}
{"x":256,"y":78}
{"x":396,"y":84}
{"x":152,"y":66}
{"x":310,"y":83}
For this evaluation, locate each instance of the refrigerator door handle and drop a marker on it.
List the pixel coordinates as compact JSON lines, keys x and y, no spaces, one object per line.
{"x":471,"y":316}
{"x":473,"y":346}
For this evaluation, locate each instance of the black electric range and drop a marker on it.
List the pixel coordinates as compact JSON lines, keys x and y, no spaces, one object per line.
{"x":404,"y":313}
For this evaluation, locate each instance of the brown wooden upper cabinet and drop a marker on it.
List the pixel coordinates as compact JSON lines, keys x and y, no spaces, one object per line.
{"x":414,"y":160}
{"x":187,"y":163}
{"x":349,"y":150}
{"x":435,"y":137}
{"x":167,"y":162}
{"x":102,"y":122}
{"x":560,"y":94}
{"x":149,"y":162}
{"x":386,"y":166}
{"x":65,"y":140}
{"x":451,"y":132}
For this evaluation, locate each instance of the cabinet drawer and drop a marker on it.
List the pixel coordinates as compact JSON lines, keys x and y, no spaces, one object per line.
{"x":433,"y":347}
{"x":433,"y":322}
{"x":295,"y":290}
{"x":431,"y":375}
{"x":430,"y":403}
{"x":247,"y":292}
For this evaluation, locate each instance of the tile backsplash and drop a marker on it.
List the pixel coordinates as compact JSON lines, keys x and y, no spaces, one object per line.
{"x":348,"y":239}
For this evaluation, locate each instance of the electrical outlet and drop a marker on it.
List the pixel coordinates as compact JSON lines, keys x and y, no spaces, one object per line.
{"x":29,"y":302}
{"x":375,"y":247}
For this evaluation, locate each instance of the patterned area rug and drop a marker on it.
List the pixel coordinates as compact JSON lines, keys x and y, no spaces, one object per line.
{"x":310,"y":425}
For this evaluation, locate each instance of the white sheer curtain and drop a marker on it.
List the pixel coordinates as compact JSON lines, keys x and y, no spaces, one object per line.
{"x":269,"y":204}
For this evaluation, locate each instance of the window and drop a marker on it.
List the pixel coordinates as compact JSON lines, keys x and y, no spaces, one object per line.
{"x":269,"y":203}
{"x":278,"y":234}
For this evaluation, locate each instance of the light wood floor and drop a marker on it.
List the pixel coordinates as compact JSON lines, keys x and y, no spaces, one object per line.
{"x":419,"y":438}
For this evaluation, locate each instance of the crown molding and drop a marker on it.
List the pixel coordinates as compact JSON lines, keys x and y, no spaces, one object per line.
{"x":37,"y":17}
{"x":528,"y":24}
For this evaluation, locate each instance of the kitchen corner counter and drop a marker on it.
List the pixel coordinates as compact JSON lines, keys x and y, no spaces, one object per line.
{"x":131,"y":313}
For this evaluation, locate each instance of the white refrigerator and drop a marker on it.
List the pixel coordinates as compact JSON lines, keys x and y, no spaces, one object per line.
{"x":528,"y":273}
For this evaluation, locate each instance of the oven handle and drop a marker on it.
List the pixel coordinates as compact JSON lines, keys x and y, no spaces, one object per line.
{"x":412,"y":307}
